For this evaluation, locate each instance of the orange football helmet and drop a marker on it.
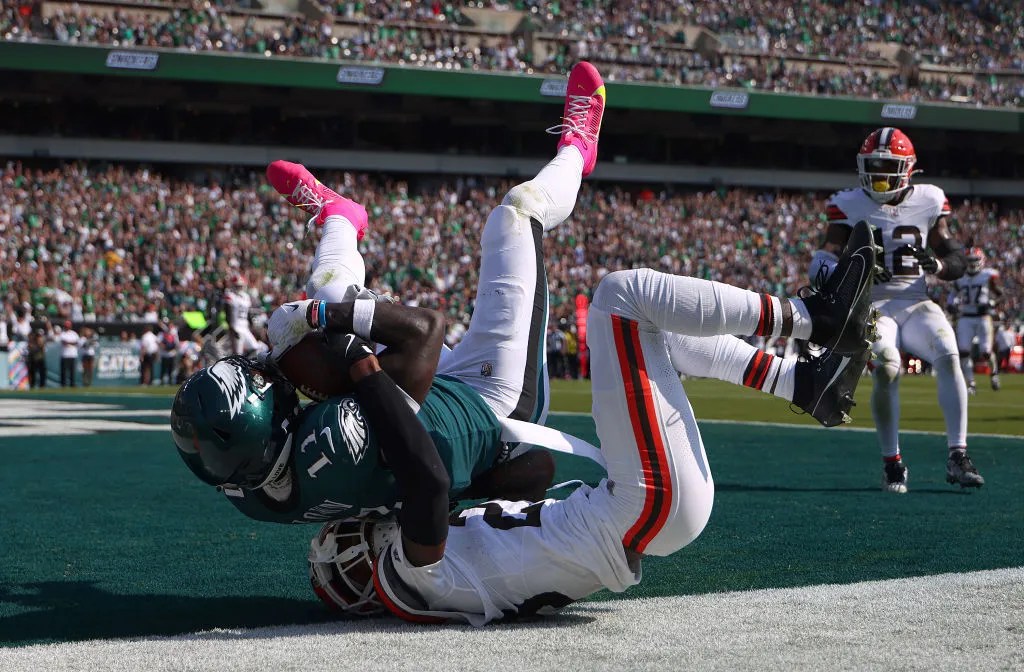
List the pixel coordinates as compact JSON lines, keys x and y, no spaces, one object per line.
{"x":975,"y":260}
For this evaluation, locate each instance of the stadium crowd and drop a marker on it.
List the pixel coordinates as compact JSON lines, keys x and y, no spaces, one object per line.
{"x":88,"y":243}
{"x":815,"y":47}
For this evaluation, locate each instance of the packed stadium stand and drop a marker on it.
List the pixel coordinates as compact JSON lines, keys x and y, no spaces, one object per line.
{"x":134,"y":137}
{"x":930,"y":50}
{"x":121,"y":243}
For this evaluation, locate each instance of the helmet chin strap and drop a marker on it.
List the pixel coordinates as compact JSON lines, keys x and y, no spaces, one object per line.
{"x":279,"y":464}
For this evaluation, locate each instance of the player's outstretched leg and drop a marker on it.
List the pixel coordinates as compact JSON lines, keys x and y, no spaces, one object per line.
{"x":822,"y":386}
{"x":502,"y":354}
{"x":842,"y":304}
{"x":338,"y":268}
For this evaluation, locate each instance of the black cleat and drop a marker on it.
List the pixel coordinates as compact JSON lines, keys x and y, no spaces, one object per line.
{"x":894,"y":477}
{"x":960,"y":469}
{"x":841,"y":308}
{"x":824,"y":386}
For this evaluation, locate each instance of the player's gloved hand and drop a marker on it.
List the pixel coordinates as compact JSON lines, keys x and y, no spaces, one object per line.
{"x":353,"y":292}
{"x":926,"y":260}
{"x":882,"y":275}
{"x":287,"y":326}
{"x":349,"y":347}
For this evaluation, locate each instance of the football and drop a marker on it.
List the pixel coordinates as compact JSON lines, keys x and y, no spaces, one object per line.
{"x":314,"y":370}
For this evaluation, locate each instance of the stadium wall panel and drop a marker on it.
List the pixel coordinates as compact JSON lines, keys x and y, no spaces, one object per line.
{"x":322,"y":74}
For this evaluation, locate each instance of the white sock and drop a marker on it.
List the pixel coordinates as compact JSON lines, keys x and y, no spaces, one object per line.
{"x":733,"y":360}
{"x":885,"y":409}
{"x":550,"y":197}
{"x":337,"y":261}
{"x":801,"y":320}
{"x":952,"y":398}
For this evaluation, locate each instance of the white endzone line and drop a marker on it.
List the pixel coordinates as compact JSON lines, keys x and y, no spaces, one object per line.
{"x":967,"y":621}
{"x":816,"y":428}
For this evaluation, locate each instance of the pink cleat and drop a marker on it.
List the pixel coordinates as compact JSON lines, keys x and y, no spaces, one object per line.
{"x":581,"y":118}
{"x":301,"y":189}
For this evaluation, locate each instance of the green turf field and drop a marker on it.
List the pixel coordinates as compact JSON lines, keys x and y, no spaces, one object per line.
{"x":990,"y":412}
{"x":107,"y":535}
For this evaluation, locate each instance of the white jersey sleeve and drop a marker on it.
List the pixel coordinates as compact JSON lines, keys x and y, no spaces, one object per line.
{"x":505,"y":559}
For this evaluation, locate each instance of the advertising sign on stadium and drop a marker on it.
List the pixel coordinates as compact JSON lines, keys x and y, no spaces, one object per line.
{"x":733,"y":100}
{"x":349,"y":74}
{"x":132,"y":60}
{"x":896,"y":111}
{"x":554,"y":87}
{"x":116,"y":364}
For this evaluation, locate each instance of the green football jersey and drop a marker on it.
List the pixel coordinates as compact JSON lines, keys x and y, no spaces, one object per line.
{"x":336,"y":470}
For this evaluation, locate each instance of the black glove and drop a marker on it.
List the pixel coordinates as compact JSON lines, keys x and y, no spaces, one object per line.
{"x":882,"y":275}
{"x":349,"y":347}
{"x":926,"y":260}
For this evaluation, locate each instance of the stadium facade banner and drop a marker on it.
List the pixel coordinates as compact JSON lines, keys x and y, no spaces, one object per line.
{"x":413,"y":81}
{"x":732,"y":100}
{"x":554,"y":88}
{"x":350,"y":74}
{"x":899,"y":111}
{"x":132,"y":60}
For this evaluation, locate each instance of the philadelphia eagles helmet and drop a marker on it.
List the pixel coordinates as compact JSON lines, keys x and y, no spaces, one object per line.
{"x":231,"y":422}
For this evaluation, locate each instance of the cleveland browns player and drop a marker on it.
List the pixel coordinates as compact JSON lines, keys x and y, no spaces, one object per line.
{"x":503,"y":559}
{"x":910,"y":223}
{"x":973,"y":298}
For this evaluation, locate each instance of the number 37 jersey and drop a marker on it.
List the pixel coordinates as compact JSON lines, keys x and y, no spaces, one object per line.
{"x":897,"y":227}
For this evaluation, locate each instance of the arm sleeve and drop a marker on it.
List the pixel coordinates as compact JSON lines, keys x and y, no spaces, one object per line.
{"x":954,"y":261}
{"x":412,"y":456}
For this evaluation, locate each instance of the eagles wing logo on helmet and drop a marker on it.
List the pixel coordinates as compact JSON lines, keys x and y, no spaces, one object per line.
{"x":231,"y":381}
{"x":353,"y":429}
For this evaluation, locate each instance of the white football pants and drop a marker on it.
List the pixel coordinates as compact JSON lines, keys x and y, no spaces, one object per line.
{"x":921,"y":328}
{"x":660,"y":485}
{"x":502,"y":355}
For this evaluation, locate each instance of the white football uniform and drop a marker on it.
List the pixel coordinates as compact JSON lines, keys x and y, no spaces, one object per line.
{"x":973,"y":295}
{"x":896,"y":227}
{"x":513,"y":558}
{"x":909,"y":319}
{"x":237,"y":305}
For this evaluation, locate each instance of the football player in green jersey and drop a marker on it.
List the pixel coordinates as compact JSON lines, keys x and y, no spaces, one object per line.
{"x":238,"y":425}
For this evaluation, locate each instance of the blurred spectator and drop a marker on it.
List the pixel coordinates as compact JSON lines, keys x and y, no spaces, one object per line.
{"x":69,"y":340}
{"x":89,"y":344}
{"x":557,"y":366}
{"x":149,"y":348}
{"x":189,"y":350}
{"x":37,"y":358}
{"x":168,"y":352}
{"x":21,"y":327}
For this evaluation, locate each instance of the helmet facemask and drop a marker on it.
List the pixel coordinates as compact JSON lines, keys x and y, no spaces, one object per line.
{"x":884,"y":175}
{"x":341,"y":561}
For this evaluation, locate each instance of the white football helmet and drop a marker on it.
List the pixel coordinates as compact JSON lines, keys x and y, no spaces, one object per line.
{"x":341,"y":560}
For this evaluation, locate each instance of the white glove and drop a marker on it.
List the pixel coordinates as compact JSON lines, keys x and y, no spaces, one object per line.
{"x":353,"y":292}
{"x":287,"y":326}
